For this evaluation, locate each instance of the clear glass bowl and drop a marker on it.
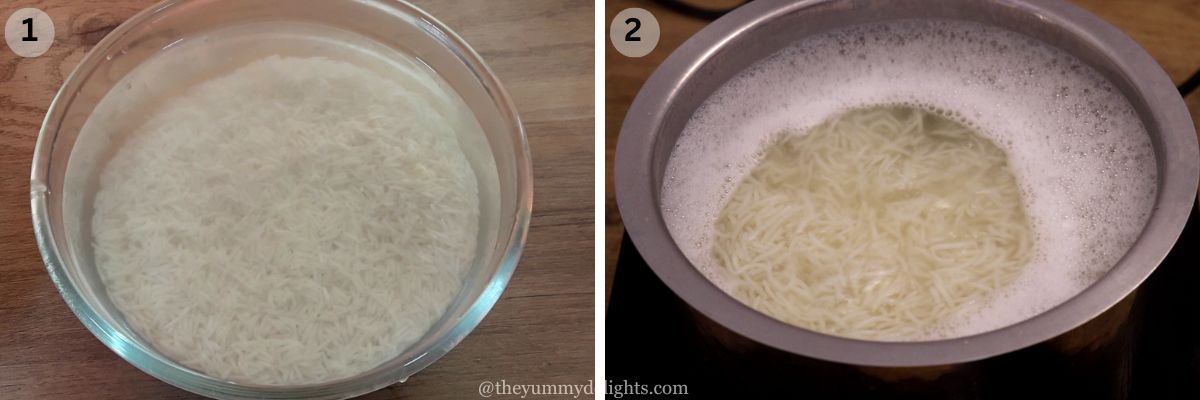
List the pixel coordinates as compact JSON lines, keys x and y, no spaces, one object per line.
{"x":61,"y":188}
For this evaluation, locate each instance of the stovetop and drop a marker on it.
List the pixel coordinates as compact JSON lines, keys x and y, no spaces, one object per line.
{"x":653,"y":337}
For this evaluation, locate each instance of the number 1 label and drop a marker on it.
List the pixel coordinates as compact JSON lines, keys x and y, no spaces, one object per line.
{"x":29,"y":32}
{"x":28,"y":28}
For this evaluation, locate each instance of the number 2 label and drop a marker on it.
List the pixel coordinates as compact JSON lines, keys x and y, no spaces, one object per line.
{"x":634,"y":32}
{"x":637,"y":24}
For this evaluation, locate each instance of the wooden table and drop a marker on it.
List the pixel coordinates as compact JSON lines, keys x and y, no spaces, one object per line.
{"x":541,"y":331}
{"x":1168,"y":29}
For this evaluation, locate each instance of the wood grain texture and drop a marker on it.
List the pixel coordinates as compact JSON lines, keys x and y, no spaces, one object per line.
{"x":541,"y":331}
{"x":1168,"y":29}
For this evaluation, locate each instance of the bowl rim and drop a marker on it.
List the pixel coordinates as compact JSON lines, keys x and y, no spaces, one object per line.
{"x":637,"y":196}
{"x":185,"y":378}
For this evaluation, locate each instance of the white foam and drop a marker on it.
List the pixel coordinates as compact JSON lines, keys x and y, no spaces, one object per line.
{"x":1077,"y":147}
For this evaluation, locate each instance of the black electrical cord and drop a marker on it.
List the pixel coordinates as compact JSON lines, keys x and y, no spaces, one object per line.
{"x":1188,"y":86}
{"x":691,"y":10}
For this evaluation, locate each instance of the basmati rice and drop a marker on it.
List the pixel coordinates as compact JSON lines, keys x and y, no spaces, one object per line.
{"x":295,"y":221}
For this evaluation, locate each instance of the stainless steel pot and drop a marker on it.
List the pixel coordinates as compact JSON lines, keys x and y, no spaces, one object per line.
{"x":718,"y":52}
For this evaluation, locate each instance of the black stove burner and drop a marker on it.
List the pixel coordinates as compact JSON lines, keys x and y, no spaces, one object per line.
{"x":653,"y":337}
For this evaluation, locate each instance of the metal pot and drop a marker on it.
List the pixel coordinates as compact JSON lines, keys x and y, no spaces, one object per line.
{"x":724,"y":48}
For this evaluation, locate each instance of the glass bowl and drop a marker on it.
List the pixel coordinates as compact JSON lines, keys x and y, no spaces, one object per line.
{"x":69,"y":148}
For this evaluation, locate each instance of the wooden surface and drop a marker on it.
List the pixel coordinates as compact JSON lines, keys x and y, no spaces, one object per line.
{"x":1168,"y":29}
{"x":541,"y":331}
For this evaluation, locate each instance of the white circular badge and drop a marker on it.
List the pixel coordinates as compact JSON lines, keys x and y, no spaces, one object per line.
{"x":634,"y":32}
{"x":29,"y":32}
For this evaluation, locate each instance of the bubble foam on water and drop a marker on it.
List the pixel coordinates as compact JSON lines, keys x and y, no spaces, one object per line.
{"x":1077,"y":147}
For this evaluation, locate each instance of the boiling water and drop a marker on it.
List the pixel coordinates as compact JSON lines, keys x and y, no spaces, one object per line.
{"x":1080,"y":155}
{"x":879,"y":223}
